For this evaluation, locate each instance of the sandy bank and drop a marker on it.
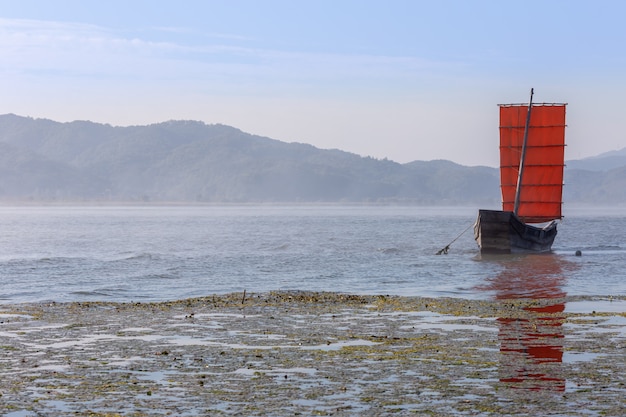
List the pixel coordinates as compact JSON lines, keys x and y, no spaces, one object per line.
{"x":315,"y":354}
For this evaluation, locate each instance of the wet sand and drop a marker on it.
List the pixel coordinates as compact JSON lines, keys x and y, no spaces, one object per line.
{"x":302,"y":353}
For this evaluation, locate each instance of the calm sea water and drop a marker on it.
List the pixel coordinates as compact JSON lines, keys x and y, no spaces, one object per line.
{"x":167,"y":253}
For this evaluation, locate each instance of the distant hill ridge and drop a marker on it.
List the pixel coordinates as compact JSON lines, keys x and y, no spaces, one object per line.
{"x":190,"y":161}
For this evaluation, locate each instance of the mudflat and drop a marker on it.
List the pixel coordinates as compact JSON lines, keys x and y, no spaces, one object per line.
{"x":311,"y":353}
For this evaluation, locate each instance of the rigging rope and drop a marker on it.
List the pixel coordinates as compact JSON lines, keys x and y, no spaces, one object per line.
{"x":447,"y":247}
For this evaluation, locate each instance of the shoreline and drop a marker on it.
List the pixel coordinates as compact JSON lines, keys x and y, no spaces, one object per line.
{"x":314,"y":353}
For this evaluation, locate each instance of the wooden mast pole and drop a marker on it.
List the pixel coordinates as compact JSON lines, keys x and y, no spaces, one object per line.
{"x":521,"y":162}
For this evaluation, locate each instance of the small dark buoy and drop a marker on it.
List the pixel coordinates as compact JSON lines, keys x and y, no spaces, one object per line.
{"x":579,"y":253}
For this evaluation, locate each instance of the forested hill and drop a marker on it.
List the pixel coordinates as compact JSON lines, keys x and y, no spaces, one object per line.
{"x":188,"y":161}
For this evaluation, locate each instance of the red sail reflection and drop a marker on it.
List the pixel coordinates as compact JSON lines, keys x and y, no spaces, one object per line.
{"x":531,"y":336}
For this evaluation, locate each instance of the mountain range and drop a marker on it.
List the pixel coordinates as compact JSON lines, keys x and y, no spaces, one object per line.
{"x":188,"y":161}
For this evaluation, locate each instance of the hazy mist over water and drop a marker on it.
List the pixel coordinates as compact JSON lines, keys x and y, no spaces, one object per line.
{"x":150,"y":253}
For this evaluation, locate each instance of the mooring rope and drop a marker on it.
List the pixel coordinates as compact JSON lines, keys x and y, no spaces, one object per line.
{"x":447,"y":247}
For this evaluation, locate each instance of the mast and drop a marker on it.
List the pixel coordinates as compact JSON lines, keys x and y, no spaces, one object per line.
{"x":521,"y":162}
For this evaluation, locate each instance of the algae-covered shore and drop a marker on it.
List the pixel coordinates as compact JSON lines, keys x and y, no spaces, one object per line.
{"x":304,"y":353}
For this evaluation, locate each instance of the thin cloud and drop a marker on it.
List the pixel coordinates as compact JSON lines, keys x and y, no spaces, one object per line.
{"x":190,"y":31}
{"x":36,"y":47}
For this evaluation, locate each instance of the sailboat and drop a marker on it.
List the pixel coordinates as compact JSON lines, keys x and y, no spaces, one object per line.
{"x":532,"y":149}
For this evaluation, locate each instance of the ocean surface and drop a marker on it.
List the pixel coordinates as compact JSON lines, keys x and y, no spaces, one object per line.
{"x":149,"y":253}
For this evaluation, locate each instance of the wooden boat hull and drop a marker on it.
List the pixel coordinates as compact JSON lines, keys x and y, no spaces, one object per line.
{"x":502,"y":232}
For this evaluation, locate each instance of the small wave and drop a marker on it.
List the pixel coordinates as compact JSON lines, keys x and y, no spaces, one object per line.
{"x":43,"y":262}
{"x":57,"y":259}
{"x":284,"y":246}
{"x":94,"y":293}
{"x":138,"y":257}
{"x":595,"y":250}
{"x":109,"y":292}
{"x":609,"y":248}
{"x":154,"y":277}
{"x":389,"y":251}
{"x":605,"y":248}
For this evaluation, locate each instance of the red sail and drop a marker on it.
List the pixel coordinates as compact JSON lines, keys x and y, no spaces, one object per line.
{"x":542,"y":181}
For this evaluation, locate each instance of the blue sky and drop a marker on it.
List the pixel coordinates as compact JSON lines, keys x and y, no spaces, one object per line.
{"x":404,"y":80}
